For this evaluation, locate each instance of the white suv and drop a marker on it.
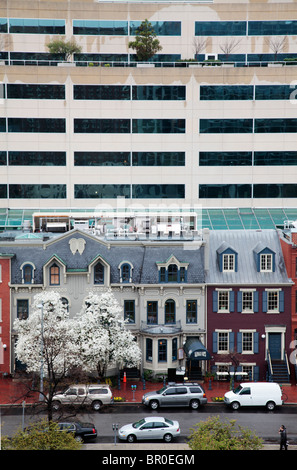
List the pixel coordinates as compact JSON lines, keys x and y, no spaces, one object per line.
{"x":80,"y":395}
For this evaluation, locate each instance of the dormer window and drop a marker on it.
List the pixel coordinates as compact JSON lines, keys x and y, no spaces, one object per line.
{"x":227,"y":258}
{"x":266,"y":262}
{"x":264,"y":258}
{"x":126,"y":269}
{"x":229,"y":262}
{"x":54,"y":275}
{"x":172,"y":271}
{"x":27,"y":273}
{"x":99,"y":273}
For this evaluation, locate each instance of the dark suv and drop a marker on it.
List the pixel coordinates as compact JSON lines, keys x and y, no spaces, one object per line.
{"x":188,"y":394}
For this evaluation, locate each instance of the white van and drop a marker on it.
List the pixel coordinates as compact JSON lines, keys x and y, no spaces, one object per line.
{"x":267,"y":394}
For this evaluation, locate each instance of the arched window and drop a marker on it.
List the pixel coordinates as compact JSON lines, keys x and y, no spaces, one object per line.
{"x":99,"y":273}
{"x":125,"y":272}
{"x":169,"y":311}
{"x":54,"y":275}
{"x":28,"y":274}
{"x":172,"y":273}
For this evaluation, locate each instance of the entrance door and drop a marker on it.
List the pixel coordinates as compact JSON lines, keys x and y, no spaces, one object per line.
{"x":274,"y":345}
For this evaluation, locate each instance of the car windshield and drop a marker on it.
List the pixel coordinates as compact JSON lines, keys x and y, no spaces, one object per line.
{"x":138,"y":423}
{"x":238,"y":389}
{"x":161,"y":391}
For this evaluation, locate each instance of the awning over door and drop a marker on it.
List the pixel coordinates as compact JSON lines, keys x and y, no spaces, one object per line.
{"x":194,"y":349}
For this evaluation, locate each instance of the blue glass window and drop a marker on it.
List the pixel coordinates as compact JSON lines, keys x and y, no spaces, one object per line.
{"x":101,"y":92}
{"x":101,"y":158}
{"x":275,"y":158}
{"x":3,"y":25}
{"x":272,"y":28}
{"x":101,"y":191}
{"x":2,"y":125}
{"x":41,"y":92}
{"x":3,"y":157}
{"x":158,"y":191}
{"x":226,"y":126}
{"x":226,"y":92}
{"x":102,"y":126}
{"x":158,"y":158}
{"x":275,"y":92}
{"x":276,"y":125}
{"x":37,"y":158}
{"x":3,"y":191}
{"x":220,"y":28}
{"x":275,"y":191}
{"x":100,"y":28}
{"x":36,"y":26}
{"x":225,"y":158}
{"x":158,"y":92}
{"x":161,"y":28}
{"x":230,"y":191}
{"x":158,"y":126}
{"x":149,"y":350}
{"x":125,"y":272}
{"x":174,"y":349}
{"x":37,"y":191}
{"x":44,"y":125}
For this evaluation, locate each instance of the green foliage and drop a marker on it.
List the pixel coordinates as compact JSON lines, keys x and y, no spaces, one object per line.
{"x":146,"y":44}
{"x":41,"y":436}
{"x":213,"y":434}
{"x":64,"y":48}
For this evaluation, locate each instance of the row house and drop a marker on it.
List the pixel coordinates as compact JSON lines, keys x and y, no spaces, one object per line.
{"x":248,"y":305}
{"x":159,"y":285}
{"x":220,"y":304}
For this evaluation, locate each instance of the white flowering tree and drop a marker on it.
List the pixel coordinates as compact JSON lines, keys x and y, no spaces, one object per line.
{"x":103,"y":337}
{"x":46,"y":342}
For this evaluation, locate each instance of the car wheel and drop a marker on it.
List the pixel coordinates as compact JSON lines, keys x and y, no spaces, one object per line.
{"x":270,"y":405}
{"x":56,"y":405}
{"x":131,"y":438}
{"x":194,"y":404}
{"x":79,"y":439}
{"x":154,"y":404}
{"x":167,"y":438}
{"x":235,"y":405}
{"x":96,"y":405}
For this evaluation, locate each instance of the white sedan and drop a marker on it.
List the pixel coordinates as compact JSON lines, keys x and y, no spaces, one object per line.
{"x":153,"y":427}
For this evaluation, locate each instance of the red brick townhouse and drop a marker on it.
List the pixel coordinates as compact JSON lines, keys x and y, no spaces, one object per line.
{"x":288,"y":240}
{"x":5,"y":319}
{"x":248,"y":306}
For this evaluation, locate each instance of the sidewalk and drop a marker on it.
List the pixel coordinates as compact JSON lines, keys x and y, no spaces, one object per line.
{"x":14,"y":392}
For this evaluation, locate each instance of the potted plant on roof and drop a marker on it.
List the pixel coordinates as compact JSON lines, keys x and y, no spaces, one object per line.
{"x":64,"y":49}
{"x":146,"y":43}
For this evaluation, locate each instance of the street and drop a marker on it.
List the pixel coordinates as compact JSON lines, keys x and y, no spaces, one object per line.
{"x":265,"y":424}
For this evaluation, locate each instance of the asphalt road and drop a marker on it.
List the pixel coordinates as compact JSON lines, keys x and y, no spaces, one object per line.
{"x":264,"y":423}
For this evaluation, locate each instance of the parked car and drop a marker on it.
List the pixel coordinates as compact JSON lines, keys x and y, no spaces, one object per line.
{"x":189,"y":394}
{"x":82,"y":431}
{"x":266,"y":394}
{"x":83,"y":395}
{"x":153,"y":427}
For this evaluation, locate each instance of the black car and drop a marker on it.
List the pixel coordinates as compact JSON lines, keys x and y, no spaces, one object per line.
{"x":82,"y":431}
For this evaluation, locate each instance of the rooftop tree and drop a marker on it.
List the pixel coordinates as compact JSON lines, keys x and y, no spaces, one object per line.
{"x":146,"y":43}
{"x":66,"y":49}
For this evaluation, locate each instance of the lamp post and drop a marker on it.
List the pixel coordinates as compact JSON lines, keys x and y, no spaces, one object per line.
{"x":41,"y":397}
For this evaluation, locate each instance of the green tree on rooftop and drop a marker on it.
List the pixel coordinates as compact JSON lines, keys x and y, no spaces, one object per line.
{"x":146,"y":43}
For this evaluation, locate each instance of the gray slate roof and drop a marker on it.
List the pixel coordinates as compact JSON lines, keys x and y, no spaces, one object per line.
{"x":143,"y":257}
{"x":244,"y":243}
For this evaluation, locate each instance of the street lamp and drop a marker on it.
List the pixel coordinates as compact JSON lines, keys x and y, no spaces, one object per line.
{"x":41,"y":397}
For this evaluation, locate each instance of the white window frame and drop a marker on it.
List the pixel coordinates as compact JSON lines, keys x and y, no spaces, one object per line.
{"x":266,"y":260}
{"x":269,"y":292}
{"x":247,"y":309}
{"x":223,"y":292}
{"x":228,"y":262}
{"x":250,"y":332}
{"x":221,"y":332}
